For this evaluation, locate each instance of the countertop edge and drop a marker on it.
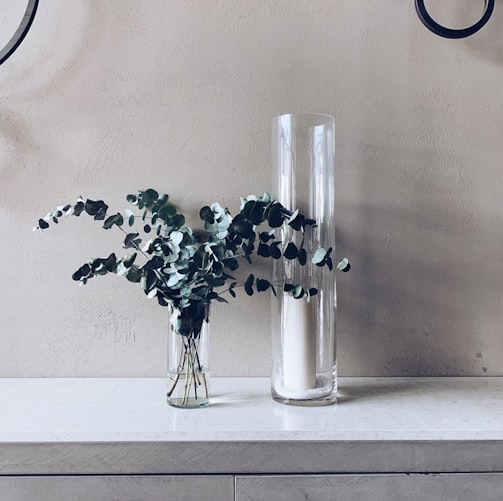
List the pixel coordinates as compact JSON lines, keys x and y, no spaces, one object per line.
{"x":250,"y":457}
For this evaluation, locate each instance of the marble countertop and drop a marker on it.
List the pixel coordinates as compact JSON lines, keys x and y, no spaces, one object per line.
{"x":402,"y":415}
{"x":242,"y":409}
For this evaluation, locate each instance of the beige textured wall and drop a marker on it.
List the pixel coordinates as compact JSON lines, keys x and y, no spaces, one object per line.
{"x":105,"y":97}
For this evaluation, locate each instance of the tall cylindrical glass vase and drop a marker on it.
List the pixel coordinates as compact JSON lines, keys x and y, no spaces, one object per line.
{"x":304,"y":331}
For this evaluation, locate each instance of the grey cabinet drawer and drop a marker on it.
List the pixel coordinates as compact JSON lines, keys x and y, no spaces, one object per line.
{"x":117,"y":488}
{"x":396,"y":487}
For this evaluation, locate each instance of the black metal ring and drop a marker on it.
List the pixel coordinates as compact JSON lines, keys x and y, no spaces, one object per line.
{"x":21,"y":32}
{"x":442,"y":31}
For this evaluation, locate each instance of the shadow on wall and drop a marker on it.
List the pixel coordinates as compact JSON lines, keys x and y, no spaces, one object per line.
{"x":425,"y":270}
{"x":488,"y":45}
{"x":63,"y":40}
{"x":425,"y":291}
{"x":54,"y":54}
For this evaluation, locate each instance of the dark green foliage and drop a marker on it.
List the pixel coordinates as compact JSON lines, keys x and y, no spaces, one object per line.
{"x":117,"y":219}
{"x":275,"y":215}
{"x":291,"y":251}
{"x":302,"y":257}
{"x":129,"y":260}
{"x":42,"y":224}
{"x":344,"y":265}
{"x":262,"y":284}
{"x":263,"y":250}
{"x":206,"y":214}
{"x":297,"y":222}
{"x":249,"y":284}
{"x":96,"y":208}
{"x":131,"y":241}
{"x":188,"y":268}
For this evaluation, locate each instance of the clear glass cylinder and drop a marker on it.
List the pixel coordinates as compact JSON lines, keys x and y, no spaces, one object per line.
{"x":304,"y":332}
{"x":188,"y":356}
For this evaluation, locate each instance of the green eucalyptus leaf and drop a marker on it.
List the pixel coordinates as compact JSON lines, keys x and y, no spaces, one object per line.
{"x":95,"y":264}
{"x":302,"y":257}
{"x":134,"y":274}
{"x":308,"y":222}
{"x":217,"y":269}
{"x":207,"y":215}
{"x":163,"y":199}
{"x":291,"y":251}
{"x":110,"y":263}
{"x":129,"y":260}
{"x":294,"y":214}
{"x":319,"y":256}
{"x":148,"y":197}
{"x":298,"y":291}
{"x":178,"y":220}
{"x":275,"y":216}
{"x":262,"y":284}
{"x":249,"y":284}
{"x":115,"y":219}
{"x":247,"y":208}
{"x":130,"y":240}
{"x":231,"y":263}
{"x":151,"y":280}
{"x":100,"y":216}
{"x":263,"y":250}
{"x":242,"y":227}
{"x":344,"y":265}
{"x":265,"y":236}
{"x":78,"y":208}
{"x":296,"y":222}
{"x":43,"y":224}
{"x":257,"y":213}
{"x":96,"y":208}
{"x":85,"y":270}
{"x":154,"y":264}
{"x":166,"y":212}
{"x":275,"y":252}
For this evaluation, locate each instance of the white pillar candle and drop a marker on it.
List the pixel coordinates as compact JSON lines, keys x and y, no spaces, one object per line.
{"x":299,"y":344}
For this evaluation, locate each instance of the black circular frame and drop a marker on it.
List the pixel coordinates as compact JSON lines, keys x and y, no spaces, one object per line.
{"x":21,"y":32}
{"x":442,"y":31}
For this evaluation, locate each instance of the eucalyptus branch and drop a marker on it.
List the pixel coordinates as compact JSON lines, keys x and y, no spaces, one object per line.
{"x":186,"y":270}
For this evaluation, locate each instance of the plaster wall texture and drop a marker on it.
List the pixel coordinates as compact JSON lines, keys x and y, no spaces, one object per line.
{"x":104,"y":98}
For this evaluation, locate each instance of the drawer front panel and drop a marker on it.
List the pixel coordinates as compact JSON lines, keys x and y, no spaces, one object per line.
{"x":415,"y":487}
{"x":117,"y":488}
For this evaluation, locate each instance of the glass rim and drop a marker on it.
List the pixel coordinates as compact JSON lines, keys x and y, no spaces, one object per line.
{"x":307,"y":118}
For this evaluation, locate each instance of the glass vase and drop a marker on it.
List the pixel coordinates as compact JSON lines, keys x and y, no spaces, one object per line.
{"x":303,"y":331}
{"x":188,"y":356}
